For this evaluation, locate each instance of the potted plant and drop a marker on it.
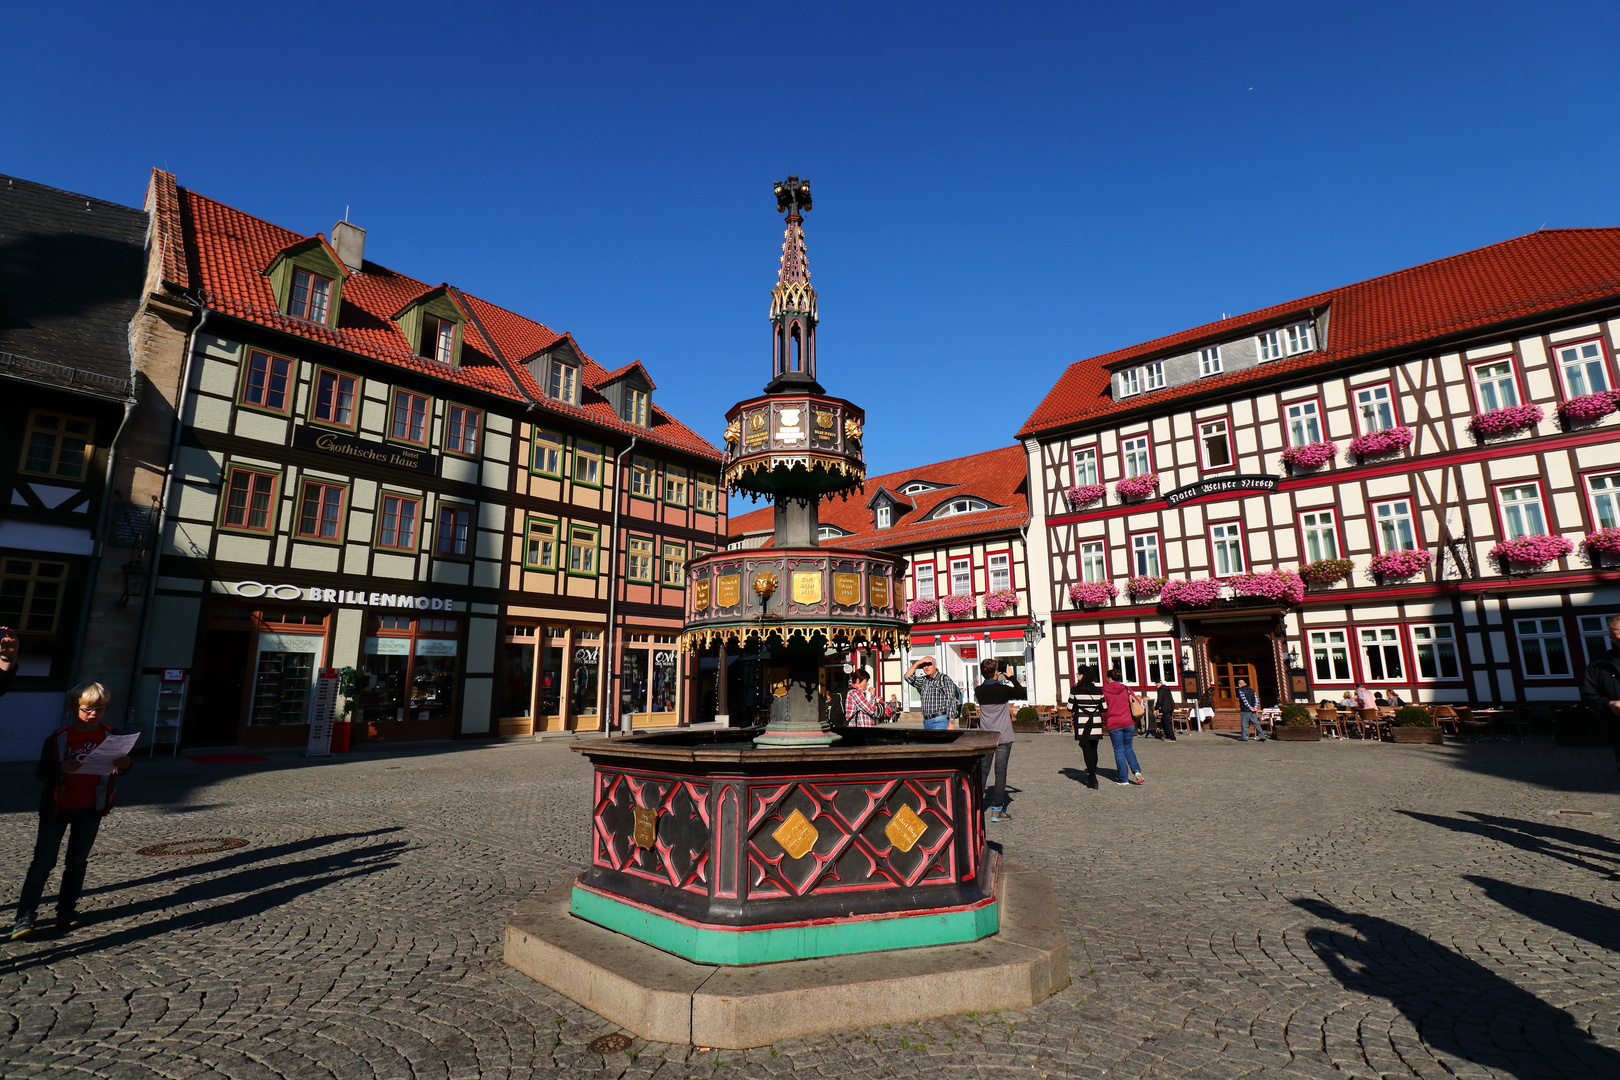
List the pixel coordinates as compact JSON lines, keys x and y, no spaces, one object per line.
{"x":1298,"y":725}
{"x":918,"y":610}
{"x":1387,"y":441}
{"x":960,"y":607}
{"x":1324,"y":572}
{"x":1081,"y":495}
{"x":1136,"y":487}
{"x":1414,"y":725}
{"x":1144,"y":588}
{"x":1399,"y":564}
{"x":1309,"y":457}
{"x":1027,"y":721}
{"x":1603,"y":542}
{"x":1189,"y":593}
{"x":1092,"y":593}
{"x":1283,"y":586}
{"x":1505,"y":421}
{"x":1531,"y":551}
{"x":999,"y":601}
{"x":1588,"y":407}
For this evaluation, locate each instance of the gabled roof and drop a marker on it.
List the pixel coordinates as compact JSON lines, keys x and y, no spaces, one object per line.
{"x":316,"y":241}
{"x":226,"y":252}
{"x":996,"y":476}
{"x":633,"y":367}
{"x":1529,"y":275}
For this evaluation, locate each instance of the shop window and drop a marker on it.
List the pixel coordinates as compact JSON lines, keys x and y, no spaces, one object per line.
{"x":1000,"y":565}
{"x":1216,"y":440}
{"x":674,"y":485}
{"x":705,"y":497}
{"x":1330,"y":656}
{"x":588,"y":463}
{"x":1521,"y":511}
{"x":638,"y":560}
{"x":924,"y":576}
{"x":409,"y":672}
{"x":582,"y":552}
{"x":643,"y":478}
{"x":462,"y":429}
{"x":515,"y":690}
{"x":1134,"y":458}
{"x":584,"y":686}
{"x":455,"y":531}
{"x":250,"y":500}
{"x":1584,"y":368}
{"x":549,"y":692}
{"x":1376,"y":408}
{"x":31,"y":594}
{"x":662,"y":696}
{"x":1395,"y":530}
{"x":1494,"y":385}
{"x":1435,"y":648}
{"x":1226,"y":549}
{"x":1320,"y":534}
{"x":335,"y":394}
{"x":266,"y":381}
{"x":1122,"y":656}
{"x":320,"y":511}
{"x":674,"y":564}
{"x":282,"y":678}
{"x":548,"y":453}
{"x":1541,"y":648}
{"x":1087,"y":661}
{"x":409,"y":418}
{"x":311,"y":296}
{"x":1161,"y":660}
{"x":540,"y":545}
{"x":1094,"y":561}
{"x":1381,"y":654}
{"x":1145,"y":555}
{"x":57,"y":445}
{"x":1304,"y":423}
{"x":396,"y":525}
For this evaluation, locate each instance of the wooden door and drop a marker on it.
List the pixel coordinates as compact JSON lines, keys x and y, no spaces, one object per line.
{"x":1227,"y":675}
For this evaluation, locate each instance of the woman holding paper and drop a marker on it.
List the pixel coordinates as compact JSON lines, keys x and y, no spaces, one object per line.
{"x":78,"y":793}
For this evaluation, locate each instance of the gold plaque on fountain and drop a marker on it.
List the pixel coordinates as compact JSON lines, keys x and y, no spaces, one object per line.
{"x":877,"y":590}
{"x":824,"y":419}
{"x":776,"y":676}
{"x":807,"y":587}
{"x":756,"y":431}
{"x":727,"y":590}
{"x":700,"y":594}
{"x":796,"y":835}
{"x":847,"y":589}
{"x":646,"y":831}
{"x":905,"y":828}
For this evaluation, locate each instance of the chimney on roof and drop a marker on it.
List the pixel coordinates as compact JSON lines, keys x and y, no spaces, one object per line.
{"x":350,"y":242}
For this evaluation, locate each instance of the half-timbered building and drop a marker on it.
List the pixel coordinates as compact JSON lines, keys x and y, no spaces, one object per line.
{"x":1408,"y":483}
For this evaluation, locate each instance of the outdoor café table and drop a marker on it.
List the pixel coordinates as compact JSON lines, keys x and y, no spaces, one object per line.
{"x":1197,"y":717}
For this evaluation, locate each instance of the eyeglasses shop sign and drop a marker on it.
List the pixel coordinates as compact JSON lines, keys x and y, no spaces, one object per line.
{"x":257,"y":590}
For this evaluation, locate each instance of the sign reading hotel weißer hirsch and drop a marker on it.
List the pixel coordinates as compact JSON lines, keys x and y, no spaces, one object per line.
{"x":1223,"y":486}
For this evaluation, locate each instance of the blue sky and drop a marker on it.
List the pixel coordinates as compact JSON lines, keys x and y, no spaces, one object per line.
{"x":1001,"y":189}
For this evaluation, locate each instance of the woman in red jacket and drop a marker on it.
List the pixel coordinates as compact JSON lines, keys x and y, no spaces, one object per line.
{"x":1121,"y":728}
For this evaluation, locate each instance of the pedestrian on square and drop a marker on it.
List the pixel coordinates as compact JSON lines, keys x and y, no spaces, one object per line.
{"x":69,"y":805}
{"x":1121,"y":728}
{"x":1365,"y":698}
{"x":1164,"y":704}
{"x":994,"y":696}
{"x":1249,"y":710}
{"x":8,"y":657}
{"x":1086,"y":703}
{"x":860,"y":708}
{"x":1600,"y":689}
{"x":941,"y":697}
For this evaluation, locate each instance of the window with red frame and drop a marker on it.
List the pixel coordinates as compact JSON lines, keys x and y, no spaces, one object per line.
{"x":455,"y":531}
{"x":396,"y":528}
{"x":265,"y":383}
{"x":924,"y":588}
{"x":1585,"y":368}
{"x":1304,"y":423}
{"x":320,"y":511}
{"x":250,"y":500}
{"x":1215,"y":439}
{"x":410,"y":417}
{"x":461,"y":431}
{"x":1495,"y":385}
{"x":1396,"y":530}
{"x":334,"y":398}
{"x":1122,"y":657}
{"x":311,"y":296}
{"x":1145,"y":555}
{"x":1134,"y":457}
{"x":1226,"y":549}
{"x":1375,"y":408}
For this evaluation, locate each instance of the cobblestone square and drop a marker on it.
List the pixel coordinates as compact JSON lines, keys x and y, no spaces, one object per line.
{"x":1339,"y":909}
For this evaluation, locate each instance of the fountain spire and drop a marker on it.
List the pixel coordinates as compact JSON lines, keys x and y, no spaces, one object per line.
{"x":793,"y":301}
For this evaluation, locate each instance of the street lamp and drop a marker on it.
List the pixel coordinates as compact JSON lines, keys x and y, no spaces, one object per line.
{"x":1033,"y":633}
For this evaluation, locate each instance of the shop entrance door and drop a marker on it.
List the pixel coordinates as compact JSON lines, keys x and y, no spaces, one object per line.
{"x":1242,"y":656}
{"x":1226,"y":681}
{"x":217,"y":701}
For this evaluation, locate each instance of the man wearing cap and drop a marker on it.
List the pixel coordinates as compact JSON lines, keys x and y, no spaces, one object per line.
{"x":941,"y":699}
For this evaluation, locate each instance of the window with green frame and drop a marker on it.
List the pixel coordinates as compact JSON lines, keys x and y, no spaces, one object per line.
{"x":588,"y":463}
{"x":540,"y":544}
{"x":704,"y":493}
{"x":548,"y":453}
{"x":582,"y":552}
{"x":674,"y":485}
{"x":643,"y":478}
{"x":638,"y":559}
{"x":674,"y":564}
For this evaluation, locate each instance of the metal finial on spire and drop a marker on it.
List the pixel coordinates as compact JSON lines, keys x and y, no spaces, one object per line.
{"x":792,"y":195}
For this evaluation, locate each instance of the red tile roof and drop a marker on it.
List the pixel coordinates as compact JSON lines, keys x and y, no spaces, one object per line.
{"x":996,"y":476}
{"x":227,"y":252}
{"x":1541,"y":272}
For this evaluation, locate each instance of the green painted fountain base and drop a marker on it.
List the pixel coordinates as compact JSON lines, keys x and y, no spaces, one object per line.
{"x":796,"y":941}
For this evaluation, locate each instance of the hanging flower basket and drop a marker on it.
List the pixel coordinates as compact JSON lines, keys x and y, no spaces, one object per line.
{"x":1189,"y":593}
{"x":1092,"y":593}
{"x":1381,"y":442}
{"x":1141,"y":588}
{"x":960,"y":607}
{"x":1588,"y":407}
{"x":999,"y":601}
{"x":1311,"y":456}
{"x":1084,"y":495}
{"x":1400,"y":564}
{"x":1532,"y":550}
{"x":1325,"y":572}
{"x":919,"y":610}
{"x":1137,"y":487}
{"x":1282,"y":586}
{"x":1604,"y":541}
{"x":1506,"y":421}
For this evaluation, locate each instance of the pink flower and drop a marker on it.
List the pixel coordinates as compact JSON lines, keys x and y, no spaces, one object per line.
{"x":1311,"y":455}
{"x":1283,"y":586}
{"x":1589,"y":406}
{"x":1140,"y":588}
{"x":1381,"y":442}
{"x":1000,"y":600}
{"x":1398,"y":564}
{"x":1606,"y":541}
{"x":1092,"y":593}
{"x":960,"y":607}
{"x":1137,"y":487}
{"x":1189,"y":592}
{"x":1532,"y":550}
{"x":1084,"y":495}
{"x":1505,"y":421}
{"x":918,"y":610}
{"x":1326,"y":571}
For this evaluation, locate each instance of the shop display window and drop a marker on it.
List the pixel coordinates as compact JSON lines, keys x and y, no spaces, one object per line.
{"x":408,"y":669}
{"x":582,"y":690}
{"x":517,"y":671}
{"x":285,"y":666}
{"x":551,"y":670}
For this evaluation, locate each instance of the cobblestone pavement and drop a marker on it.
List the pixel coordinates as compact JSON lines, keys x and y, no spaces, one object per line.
{"x":1280,"y":910}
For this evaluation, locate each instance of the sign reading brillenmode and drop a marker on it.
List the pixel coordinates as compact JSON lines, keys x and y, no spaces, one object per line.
{"x":389,"y":455}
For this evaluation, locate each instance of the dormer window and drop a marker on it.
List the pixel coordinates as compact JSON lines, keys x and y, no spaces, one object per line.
{"x":961,"y":506}
{"x":1130,"y":382}
{"x":1153,"y":376}
{"x":564,"y":382}
{"x":830,"y":532}
{"x":438,"y":339}
{"x":885,"y":516}
{"x":635,"y":406}
{"x":1209,"y":361}
{"x":1298,"y":338}
{"x":311,"y":296}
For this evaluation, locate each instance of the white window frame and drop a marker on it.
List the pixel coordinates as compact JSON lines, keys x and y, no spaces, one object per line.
{"x":1330,"y":648}
{"x":1269,"y":345}
{"x":1160,"y":664}
{"x":1145,"y":560}
{"x":1603,"y":497}
{"x":1130,"y":382}
{"x":1226,"y":538}
{"x":1375,"y":412}
{"x":1583,"y":370}
{"x":1299,"y":338}
{"x":961,"y":577}
{"x":1085,"y":654}
{"x":1209,"y":361}
{"x":1318,"y":535}
{"x":1122,"y":654}
{"x":1304,"y":419}
{"x":923,"y":582}
{"x":998,"y":570}
{"x":1153,"y":375}
{"x":1094,"y":561}
{"x":1206,"y":436}
{"x":1588,"y":633}
{"x":1497,"y":390}
{"x":1135,"y":456}
{"x":1522,"y":512}
{"x":1434,"y":637}
{"x":1392,"y":518}
{"x":1083,"y":463}
{"x":1375,"y":645}
{"x":885,"y":516}
{"x":1542,"y":630}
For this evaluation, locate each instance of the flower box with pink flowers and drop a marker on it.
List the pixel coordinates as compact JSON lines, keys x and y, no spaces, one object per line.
{"x":1589,"y":407}
{"x":1092,"y":593}
{"x":1081,"y":495}
{"x":1282,"y":586}
{"x":1142,"y":588}
{"x":919,"y":610}
{"x":1505,"y":421}
{"x":1324,"y":572}
{"x":1190,"y":593}
{"x":1311,"y":456}
{"x":999,"y":601}
{"x":1604,"y":541}
{"x":1399,"y":564}
{"x":960,"y":607}
{"x":1387,"y":441}
{"x":1532,"y":550}
{"x":1137,"y":487}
